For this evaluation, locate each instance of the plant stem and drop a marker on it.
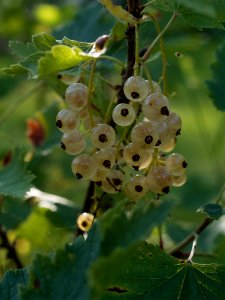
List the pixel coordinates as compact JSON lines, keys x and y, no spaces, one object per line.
{"x":11,"y":251}
{"x":149,"y":50}
{"x":90,"y":91}
{"x":113,"y":59}
{"x":136,"y":64}
{"x":194,"y":245}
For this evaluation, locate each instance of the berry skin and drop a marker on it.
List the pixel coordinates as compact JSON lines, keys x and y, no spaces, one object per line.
{"x":156,"y":88}
{"x":162,"y":130}
{"x":136,"y":88}
{"x":156,"y":107}
{"x":103,"y":136}
{"x":174,"y":123}
{"x":123,"y":114}
{"x":76,"y":96}
{"x":159,"y":180}
{"x":144,"y":134}
{"x":135,"y":156}
{"x":137,"y":187}
{"x":168,"y":143}
{"x":73,"y":143}
{"x":66,"y":121}
{"x":113,"y":182}
{"x":179,"y":180}
{"x":105,"y":158}
{"x":84,"y":221}
{"x":84,"y":166}
{"x":176,"y":163}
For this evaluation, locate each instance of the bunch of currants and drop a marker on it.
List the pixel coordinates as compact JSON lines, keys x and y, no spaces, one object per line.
{"x":134,"y":162}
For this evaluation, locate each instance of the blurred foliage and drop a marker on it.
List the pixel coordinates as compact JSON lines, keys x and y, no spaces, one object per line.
{"x":36,"y":226}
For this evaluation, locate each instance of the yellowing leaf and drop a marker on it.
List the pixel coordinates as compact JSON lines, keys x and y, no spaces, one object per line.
{"x":118,"y":12}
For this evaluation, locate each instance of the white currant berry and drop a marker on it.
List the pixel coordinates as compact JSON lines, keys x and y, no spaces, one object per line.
{"x":73,"y":143}
{"x":84,"y":166}
{"x":135,"y":156}
{"x":176,"y":163}
{"x":162,"y":130}
{"x":159,"y":180}
{"x":156,"y":88}
{"x":144,"y":134}
{"x":156,"y":107}
{"x":83,"y":114}
{"x":174,"y":123}
{"x":123,"y":114}
{"x":137,"y":187}
{"x":76,"y":96}
{"x":66,"y":121}
{"x":105,"y":158}
{"x":179,"y":180}
{"x":168,"y":143}
{"x":100,"y":175}
{"x":113,"y":182}
{"x":84,"y":221}
{"x":103,"y":136}
{"x":136,"y":88}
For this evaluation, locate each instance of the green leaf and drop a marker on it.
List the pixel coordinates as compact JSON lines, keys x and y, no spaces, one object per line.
{"x":72,"y":43}
{"x":64,"y":275}
{"x":145,"y":272}
{"x":118,"y":12}
{"x":216,"y":85}
{"x":15,"y":69}
{"x":200,"y":6}
{"x":60,"y":58}
{"x":43,"y":41}
{"x":13,"y":212}
{"x":201,"y":21}
{"x":15,"y":180}
{"x":212,"y":210}
{"x":21,"y":49}
{"x":121,"y":230}
{"x":10,"y":282}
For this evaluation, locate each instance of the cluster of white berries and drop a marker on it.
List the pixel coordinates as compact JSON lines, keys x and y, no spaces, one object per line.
{"x":136,"y":164}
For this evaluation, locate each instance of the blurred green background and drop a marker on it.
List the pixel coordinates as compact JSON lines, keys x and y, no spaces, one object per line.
{"x":201,"y":142}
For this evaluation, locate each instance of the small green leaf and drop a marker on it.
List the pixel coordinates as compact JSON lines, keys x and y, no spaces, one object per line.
{"x":72,"y":43}
{"x":60,"y":58}
{"x":21,"y":49}
{"x":216,"y":85}
{"x":44,"y":41}
{"x":212,"y":210}
{"x":64,"y":275}
{"x":15,"y":180}
{"x":201,"y":21}
{"x":121,"y":230}
{"x":10,"y":282}
{"x":145,"y":272}
{"x":118,"y":12}
{"x":15,"y":69}
{"x":200,"y":6}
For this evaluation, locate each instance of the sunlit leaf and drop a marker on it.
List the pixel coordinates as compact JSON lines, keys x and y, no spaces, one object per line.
{"x":43,"y":41}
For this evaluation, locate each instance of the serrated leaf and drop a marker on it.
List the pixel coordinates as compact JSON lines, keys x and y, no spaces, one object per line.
{"x":145,"y":272}
{"x":10,"y":282}
{"x":72,"y":43}
{"x":200,"y":6}
{"x":121,"y":230}
{"x":15,"y":180}
{"x":216,"y":85}
{"x":15,"y":69}
{"x":21,"y":49}
{"x":201,"y":21}
{"x":60,"y":58}
{"x":118,"y":12}
{"x":212,"y":210}
{"x":44,"y":41}
{"x":64,"y":275}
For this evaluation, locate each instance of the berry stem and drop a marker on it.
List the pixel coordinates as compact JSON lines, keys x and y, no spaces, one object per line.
{"x":136,"y":64}
{"x":90,"y":91}
{"x":113,"y":59}
{"x":149,"y":50}
{"x":148,"y":75}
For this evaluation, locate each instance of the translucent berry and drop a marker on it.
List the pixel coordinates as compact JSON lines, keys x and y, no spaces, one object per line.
{"x":84,"y":221}
{"x":84,"y":166}
{"x":159,"y":180}
{"x":100,"y":175}
{"x":103,"y":136}
{"x":66,"y":120}
{"x":135,"y":156}
{"x":179,"y":180}
{"x":156,"y":107}
{"x":174,"y":123}
{"x":176,"y":163}
{"x":123,"y":114}
{"x":144,"y":134}
{"x":105,"y":158}
{"x":168,"y":143}
{"x":156,"y":88}
{"x":73,"y":143}
{"x":113,"y":182}
{"x":162,"y":130}
{"x":137,"y":187}
{"x":136,"y":88}
{"x":76,"y":96}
